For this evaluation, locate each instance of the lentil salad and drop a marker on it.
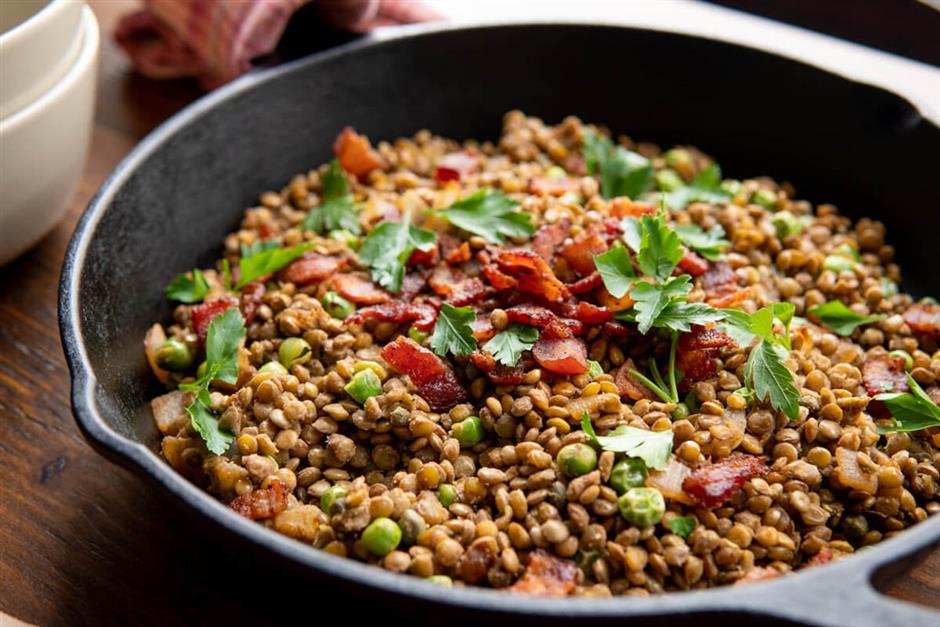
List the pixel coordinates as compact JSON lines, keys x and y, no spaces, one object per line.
{"x":558,"y":365}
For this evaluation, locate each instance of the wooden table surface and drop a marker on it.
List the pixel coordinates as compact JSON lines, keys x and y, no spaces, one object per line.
{"x":81,"y":540}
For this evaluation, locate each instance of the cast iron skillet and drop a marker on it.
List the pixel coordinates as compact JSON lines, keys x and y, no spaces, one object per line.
{"x":169,"y":203}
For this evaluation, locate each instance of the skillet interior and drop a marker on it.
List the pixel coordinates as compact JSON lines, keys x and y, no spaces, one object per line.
{"x":168,"y":207}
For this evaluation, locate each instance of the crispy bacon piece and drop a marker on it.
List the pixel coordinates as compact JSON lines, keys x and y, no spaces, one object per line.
{"x":691,"y":263}
{"x":455,"y":287}
{"x":629,"y":386}
{"x":549,"y":237}
{"x":435,"y":381}
{"x":732,"y":300}
{"x":544,"y":186}
{"x":540,"y":317}
{"x":421,"y":315}
{"x":580,"y":253}
{"x":311,"y":268}
{"x":587,"y":284}
{"x":249,"y":299}
{"x":696,"y":352}
{"x":532,"y":273}
{"x":884,"y":374}
{"x":476,"y":562}
{"x":718,"y":281}
{"x":498,"y":279}
{"x":204,"y":313}
{"x":358,"y":290}
{"x":424,"y":257}
{"x":262,"y":503}
{"x":355,"y":153}
{"x":547,"y":576}
{"x":455,"y":166}
{"x":448,"y":244}
{"x":713,"y":484}
{"x":923,"y":318}
{"x":588,"y":313}
{"x":623,"y":207}
{"x":459,"y":255}
{"x":824,"y":556}
{"x":412,"y":284}
{"x":482,"y":328}
{"x":497,"y":373}
{"x":616,"y":331}
{"x":575,"y":164}
{"x":558,"y":352}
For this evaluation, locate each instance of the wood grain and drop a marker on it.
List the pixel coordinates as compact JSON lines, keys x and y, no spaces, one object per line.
{"x":82,"y":541}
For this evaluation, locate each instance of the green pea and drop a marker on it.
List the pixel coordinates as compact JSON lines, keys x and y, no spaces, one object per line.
{"x":447,"y":494}
{"x":440,"y":580}
{"x":838,"y":263}
{"x":201,"y":370}
{"x":345,"y":236}
{"x":628,"y":473}
{"x":556,"y":172}
{"x":468,"y":431}
{"x":381,"y":537}
{"x":908,"y":360}
{"x":337,"y":306}
{"x":888,"y":287}
{"x":681,"y":412}
{"x":418,"y":335}
{"x":364,"y":385}
{"x":174,"y":355}
{"x":678,"y":158}
{"x":765,"y":198}
{"x":691,"y":401}
{"x":330,"y":497}
{"x":412,"y":525}
{"x":732,"y":187}
{"x":786,"y":224}
{"x":847,"y":250}
{"x":668,"y":181}
{"x":642,"y":507}
{"x":576,"y":459}
{"x":274,"y":367}
{"x":293,"y":351}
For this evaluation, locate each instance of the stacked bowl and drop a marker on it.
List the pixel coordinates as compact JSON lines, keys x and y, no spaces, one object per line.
{"x":48,"y":59}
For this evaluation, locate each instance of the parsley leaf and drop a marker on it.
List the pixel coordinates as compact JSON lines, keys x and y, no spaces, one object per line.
{"x":259,"y":247}
{"x":911,"y":411}
{"x":769,"y":376}
{"x":705,"y":187}
{"x":632,"y":233}
{"x":387,"y":248}
{"x":267,"y":262}
{"x":490,"y":214}
{"x":653,"y":447}
{"x":508,"y":345}
{"x":708,"y":244}
{"x":680,"y":316}
{"x":838,"y":317}
{"x":337,"y":210}
{"x":623,"y":173}
{"x":683,"y":526}
{"x":594,"y":369}
{"x":452,"y":332}
{"x":660,"y":249}
{"x":188,"y":288}
{"x":224,"y":336}
{"x":616,"y":270}
{"x":652,"y":299}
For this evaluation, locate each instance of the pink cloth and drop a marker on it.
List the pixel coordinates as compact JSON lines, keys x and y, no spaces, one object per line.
{"x":216,"y":40}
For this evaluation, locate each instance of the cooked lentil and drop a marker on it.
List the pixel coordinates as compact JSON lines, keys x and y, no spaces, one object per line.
{"x":472,"y":494}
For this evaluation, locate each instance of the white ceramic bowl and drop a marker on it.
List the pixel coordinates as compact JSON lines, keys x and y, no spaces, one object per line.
{"x":43,"y":148}
{"x":39,"y":41}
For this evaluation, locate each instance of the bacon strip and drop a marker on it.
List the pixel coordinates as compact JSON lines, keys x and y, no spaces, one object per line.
{"x":455,"y":287}
{"x":544,"y":186}
{"x":422,"y":315}
{"x":691,"y":263}
{"x":923,"y":318}
{"x":311,"y":268}
{"x":204,"y":313}
{"x":358,"y":290}
{"x":588,"y":313}
{"x":719,"y":281}
{"x":355,"y":153}
{"x":497,"y":373}
{"x":713,"y":484}
{"x":630,"y":386}
{"x":623,"y":207}
{"x":549,"y":237}
{"x":580,"y":253}
{"x":482,"y":328}
{"x":532,"y":273}
{"x":588,"y":284}
{"x":459,"y":255}
{"x":884,"y":374}
{"x":249,"y":299}
{"x":455,"y":166}
{"x":540,"y":317}
{"x":435,"y":381}
{"x":558,"y":352}
{"x":412,"y":284}
{"x":498,"y":279}
{"x":262,"y":503}
{"x":697,"y":350}
{"x":547,"y":576}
